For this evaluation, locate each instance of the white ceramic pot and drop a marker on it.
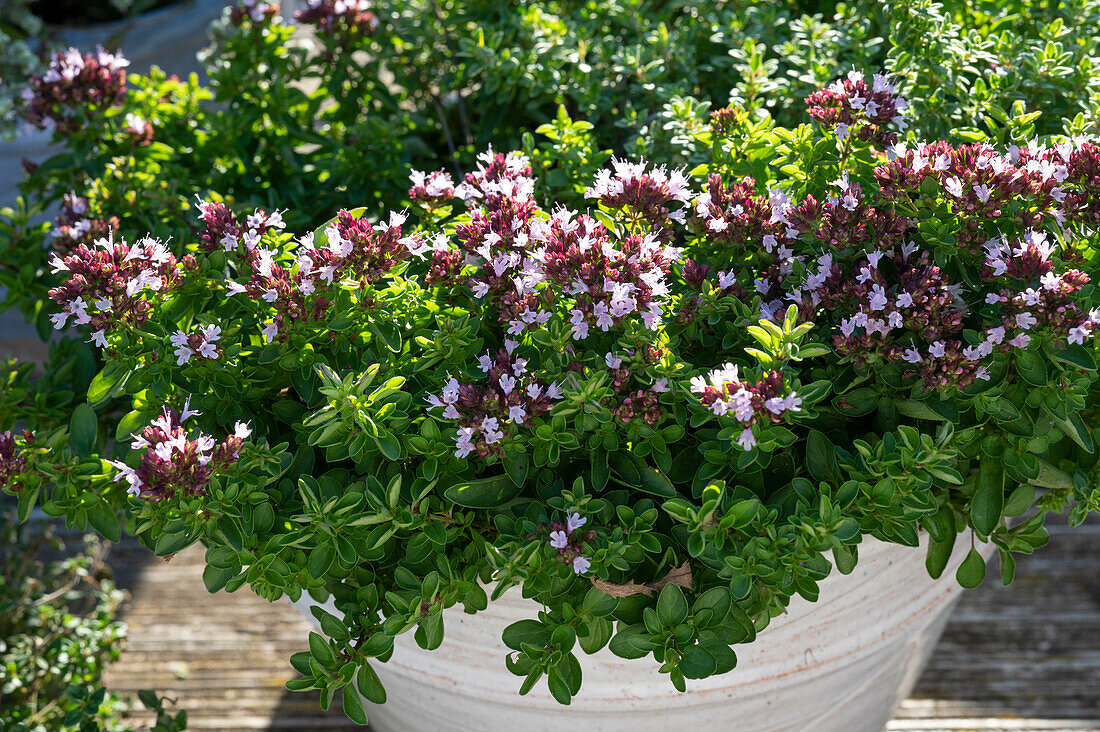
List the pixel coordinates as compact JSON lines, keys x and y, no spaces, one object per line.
{"x":841,"y":664}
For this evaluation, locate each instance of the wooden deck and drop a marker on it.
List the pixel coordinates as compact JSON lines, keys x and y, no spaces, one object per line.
{"x":1022,"y":658}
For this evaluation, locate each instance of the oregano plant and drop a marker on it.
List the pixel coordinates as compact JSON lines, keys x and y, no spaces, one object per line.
{"x":660,"y":416}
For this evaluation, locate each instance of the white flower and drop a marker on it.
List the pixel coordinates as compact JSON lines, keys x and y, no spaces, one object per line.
{"x":1078,"y":335}
{"x":574,"y":521}
{"x":270,"y":331}
{"x":559,"y":539}
{"x":878,"y":298}
{"x":1025,"y":320}
{"x":953,"y":186}
{"x":581,"y":565}
{"x":747,"y":440}
{"x":241,"y":430}
{"x":464,"y":442}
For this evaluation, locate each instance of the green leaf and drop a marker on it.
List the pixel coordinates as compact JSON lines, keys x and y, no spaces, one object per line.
{"x":626,"y":467}
{"x":939,"y":553}
{"x":1076,"y":355}
{"x":1008,"y":566}
{"x":390,"y":446}
{"x":215,"y":578}
{"x":353,"y":706}
{"x":631,"y":642}
{"x":103,"y":519}
{"x":655,"y":482}
{"x":858,"y":402}
{"x":107,"y":383}
{"x":697,"y":663}
{"x":972,"y":571}
{"x":516,"y":463}
{"x":529,"y":631}
{"x":483,"y":493}
{"x":989,"y":497}
{"x":388,"y":333}
{"x":599,"y":633}
{"x":321,"y":651}
{"x":320,"y":559}
{"x":821,"y":457}
{"x":1076,"y":429}
{"x":672,"y":606}
{"x":711,"y":607}
{"x":558,"y":687}
{"x":172,"y":542}
{"x":920,"y":410}
{"x":1031,"y":368}
{"x":83,"y":427}
{"x":1019,"y":500}
{"x":369,"y":685}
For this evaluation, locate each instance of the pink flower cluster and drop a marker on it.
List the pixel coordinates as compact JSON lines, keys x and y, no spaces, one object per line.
{"x":431,"y":190}
{"x":566,"y":538}
{"x":909,"y":313}
{"x":201,"y":344}
{"x":604,"y":282}
{"x":356,"y":251}
{"x":723,"y":392}
{"x":75,"y":82}
{"x":107,"y":282}
{"x":256,"y":11}
{"x":1025,"y":186}
{"x":848,"y":219}
{"x":74,"y":227}
{"x":351,"y":16}
{"x":488,"y":413}
{"x":175,"y":462}
{"x":851,"y":107}
{"x":137,"y":129}
{"x":12,"y":463}
{"x":632,"y":404}
{"x":223,"y":230}
{"x":655,"y":196}
{"x":527,"y":262}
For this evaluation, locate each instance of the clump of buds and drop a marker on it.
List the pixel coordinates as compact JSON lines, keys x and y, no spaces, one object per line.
{"x":75,"y":82}
{"x":106,"y":283}
{"x":352,"y":16}
{"x":851,"y":107}
{"x":568,"y":540}
{"x":12,"y":462}
{"x":431,"y":190}
{"x":723,"y":392}
{"x":175,"y":462}
{"x":654,"y":196}
{"x":256,"y":11}
{"x":487,"y":412}
{"x":75,"y":226}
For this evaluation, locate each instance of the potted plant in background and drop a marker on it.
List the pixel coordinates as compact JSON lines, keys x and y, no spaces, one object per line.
{"x":635,"y":433}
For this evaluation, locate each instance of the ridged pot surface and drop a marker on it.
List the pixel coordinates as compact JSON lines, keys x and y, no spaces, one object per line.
{"x":841,"y":664}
